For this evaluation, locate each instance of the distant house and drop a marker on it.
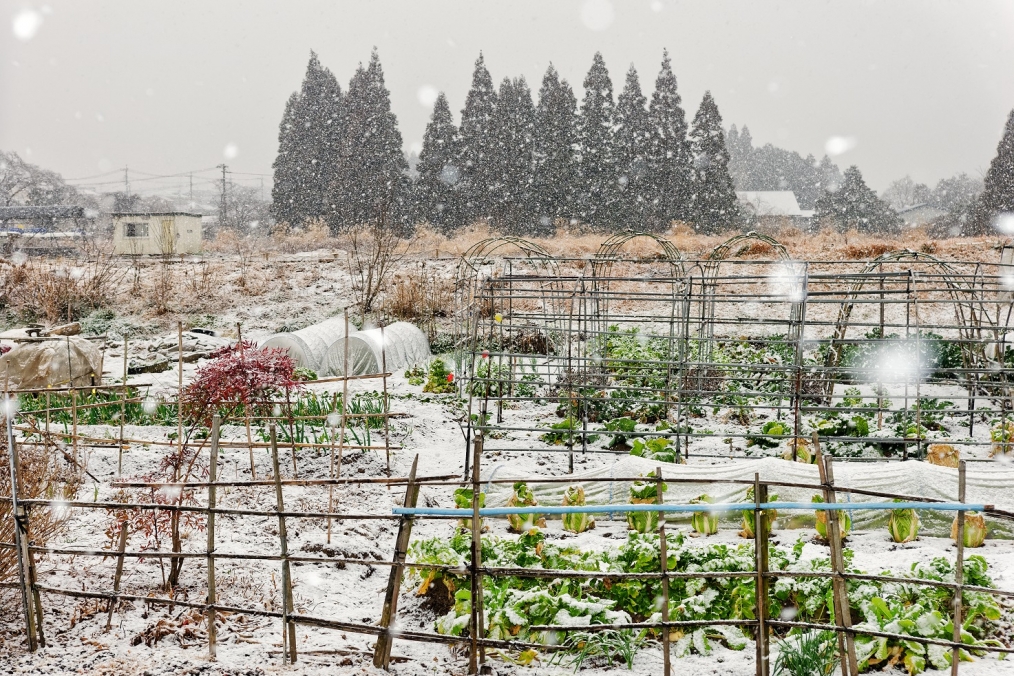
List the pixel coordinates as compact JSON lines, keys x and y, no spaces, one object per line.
{"x":53,"y":229}
{"x":771,"y":203}
{"x":164,"y":233}
{"x":920,"y":214}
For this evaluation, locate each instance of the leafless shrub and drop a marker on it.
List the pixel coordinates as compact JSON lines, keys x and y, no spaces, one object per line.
{"x":202,"y":280}
{"x":372,"y":250}
{"x":420,"y":295}
{"x":43,"y":474}
{"x":163,"y":285}
{"x":54,"y":291}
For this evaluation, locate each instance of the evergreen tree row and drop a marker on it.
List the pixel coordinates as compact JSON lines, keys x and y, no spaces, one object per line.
{"x":340,"y":156}
{"x":525,"y":164}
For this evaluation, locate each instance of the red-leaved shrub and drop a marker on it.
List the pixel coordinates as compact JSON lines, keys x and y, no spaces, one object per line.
{"x":242,"y":379}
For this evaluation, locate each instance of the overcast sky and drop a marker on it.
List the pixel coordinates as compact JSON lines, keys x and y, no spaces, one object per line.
{"x":920,"y":87}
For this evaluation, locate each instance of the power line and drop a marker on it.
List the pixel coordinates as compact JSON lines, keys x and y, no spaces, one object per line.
{"x":84,"y":178}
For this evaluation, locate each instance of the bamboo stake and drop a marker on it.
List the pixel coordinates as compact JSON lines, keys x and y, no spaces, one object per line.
{"x":664,"y":568}
{"x":292,"y":434}
{"x":120,"y":548}
{"x":345,"y":394}
{"x":20,"y":530}
{"x":73,"y":408}
{"x":843,"y":609}
{"x":179,"y":391}
{"x":382,"y":653}
{"x":212,"y":503}
{"x":477,"y":654}
{"x":383,"y":368}
{"x":246,"y":410}
{"x":959,"y":567}
{"x":288,"y":627}
{"x":123,"y":411}
{"x":760,"y":534}
{"x":330,"y":488}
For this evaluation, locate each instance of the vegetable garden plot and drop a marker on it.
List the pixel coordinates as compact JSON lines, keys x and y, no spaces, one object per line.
{"x":891,"y":359}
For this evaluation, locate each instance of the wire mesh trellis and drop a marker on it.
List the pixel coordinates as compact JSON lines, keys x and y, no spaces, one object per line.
{"x":804,"y":343}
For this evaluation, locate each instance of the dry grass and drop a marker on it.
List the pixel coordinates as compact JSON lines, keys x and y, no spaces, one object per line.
{"x":420,"y":294}
{"x":43,"y":474}
{"x":57,"y":291}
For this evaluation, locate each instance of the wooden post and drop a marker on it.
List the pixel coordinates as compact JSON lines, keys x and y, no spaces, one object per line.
{"x":959,"y":571}
{"x":216,"y":423}
{"x":120,"y":548}
{"x":20,"y":529}
{"x":123,"y":411}
{"x":664,"y":569}
{"x":476,"y":655}
{"x":288,"y":627}
{"x":839,"y":586}
{"x":382,"y":653}
{"x":760,"y":545}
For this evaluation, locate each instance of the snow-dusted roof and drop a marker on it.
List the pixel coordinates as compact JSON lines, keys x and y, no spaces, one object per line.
{"x":770,"y":202}
{"x":920,"y":214}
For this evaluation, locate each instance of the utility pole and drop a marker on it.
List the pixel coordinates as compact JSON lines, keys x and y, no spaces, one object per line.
{"x":221,"y":209}
{"x":126,"y":180}
{"x":191,"y":190}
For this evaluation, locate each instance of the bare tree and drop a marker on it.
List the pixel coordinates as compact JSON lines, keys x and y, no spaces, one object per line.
{"x":245,"y":210}
{"x":372,"y":251}
{"x":906,"y":193}
{"x":25,"y":183}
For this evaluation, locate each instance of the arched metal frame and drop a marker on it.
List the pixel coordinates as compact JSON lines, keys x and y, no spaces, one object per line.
{"x":571,"y":310}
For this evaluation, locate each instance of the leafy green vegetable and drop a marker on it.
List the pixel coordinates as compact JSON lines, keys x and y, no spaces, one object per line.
{"x":463,"y":500}
{"x":813,"y":653}
{"x":576,"y":522}
{"x":844,"y":521}
{"x":975,"y":529}
{"x":644,"y":493}
{"x":659,"y":449}
{"x":768,"y":516}
{"x":704,"y":523}
{"x":522,"y":497}
{"x":903,"y":525}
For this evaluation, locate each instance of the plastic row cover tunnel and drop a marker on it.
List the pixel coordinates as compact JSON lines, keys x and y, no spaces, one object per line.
{"x":308,"y":347}
{"x":396,"y":346}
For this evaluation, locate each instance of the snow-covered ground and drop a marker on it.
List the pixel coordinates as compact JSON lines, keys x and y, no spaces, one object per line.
{"x":75,"y":631}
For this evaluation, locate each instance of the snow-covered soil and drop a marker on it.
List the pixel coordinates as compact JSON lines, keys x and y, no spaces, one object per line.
{"x":304,"y":291}
{"x":75,"y":628}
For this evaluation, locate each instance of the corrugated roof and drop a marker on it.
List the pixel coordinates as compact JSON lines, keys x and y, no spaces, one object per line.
{"x":58,"y":211}
{"x":117,"y":214}
{"x":770,"y":202}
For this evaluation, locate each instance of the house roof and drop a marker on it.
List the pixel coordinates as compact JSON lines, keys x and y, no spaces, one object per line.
{"x":27,"y":213}
{"x":122,"y":214}
{"x":920,"y":214}
{"x":770,"y":202}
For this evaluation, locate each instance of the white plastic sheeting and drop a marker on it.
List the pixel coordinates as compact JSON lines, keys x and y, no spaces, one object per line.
{"x":985,"y":483}
{"x":396,"y":346}
{"x":308,"y":346}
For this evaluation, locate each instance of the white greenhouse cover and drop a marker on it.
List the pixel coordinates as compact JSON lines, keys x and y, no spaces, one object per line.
{"x":308,"y":346}
{"x":985,"y":483}
{"x":396,"y":346}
